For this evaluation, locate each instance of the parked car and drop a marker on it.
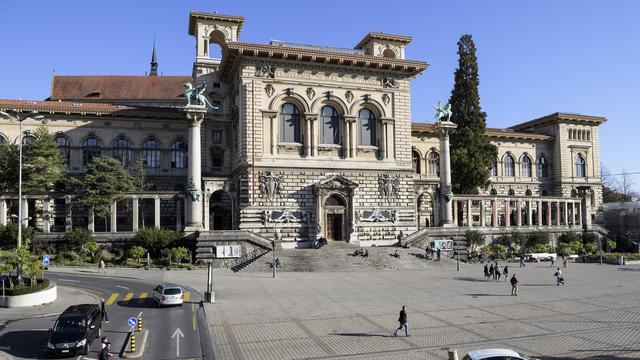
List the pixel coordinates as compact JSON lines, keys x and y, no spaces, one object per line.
{"x":75,"y":330}
{"x":168,"y":294}
{"x":495,"y":354}
{"x":537,"y":257}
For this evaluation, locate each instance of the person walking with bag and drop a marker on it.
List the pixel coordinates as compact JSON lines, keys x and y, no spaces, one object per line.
{"x":402,"y":319}
{"x":514,"y":285}
{"x":559,"y":278}
{"x":505,"y":272}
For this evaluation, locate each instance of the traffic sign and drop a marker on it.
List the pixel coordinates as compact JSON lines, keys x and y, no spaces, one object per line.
{"x":45,"y":260}
{"x":3,"y":277}
{"x":132,"y":321}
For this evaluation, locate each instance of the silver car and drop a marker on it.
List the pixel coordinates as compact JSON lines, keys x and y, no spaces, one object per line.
{"x":168,"y":294}
{"x":495,"y":354}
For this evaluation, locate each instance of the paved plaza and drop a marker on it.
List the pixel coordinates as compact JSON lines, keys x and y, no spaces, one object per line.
{"x":351,"y":315}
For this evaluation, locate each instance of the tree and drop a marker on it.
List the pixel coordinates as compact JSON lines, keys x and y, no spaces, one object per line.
{"x":44,"y":164}
{"x":35,"y":269}
{"x":105,"y":181}
{"x":538,"y":240}
{"x":136,"y":253}
{"x":156,"y":239}
{"x":618,"y":187}
{"x":78,"y":237}
{"x":474,"y":238}
{"x":91,"y":248}
{"x":9,"y":236}
{"x":8,"y":168}
{"x":21,"y":258}
{"x":179,"y":253}
{"x":472,"y":154}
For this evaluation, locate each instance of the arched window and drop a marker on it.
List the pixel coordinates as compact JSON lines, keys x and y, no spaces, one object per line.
{"x":528,"y":192}
{"x":588,"y":135}
{"x":434,"y":164}
{"x":367,"y":127}
{"x":511,"y":192}
{"x":541,"y":167}
{"x":493,"y":192}
{"x":330,"y":126}
{"x":3,"y":139}
{"x":26,"y":139}
{"x":493,"y":170}
{"x":415,"y":161}
{"x":388,"y":53}
{"x":90,"y":150}
{"x":525,"y":166}
{"x":122,"y":151}
{"x":581,"y":166}
{"x":178,"y":155}
{"x":151,"y":153}
{"x":509,"y":165}
{"x":65,"y":147}
{"x":289,"y":124}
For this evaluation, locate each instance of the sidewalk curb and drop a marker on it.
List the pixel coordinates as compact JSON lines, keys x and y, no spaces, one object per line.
{"x":203,"y":328}
{"x":140,"y":351}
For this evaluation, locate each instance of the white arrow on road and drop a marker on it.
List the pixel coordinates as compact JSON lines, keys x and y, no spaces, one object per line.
{"x":177,"y":334}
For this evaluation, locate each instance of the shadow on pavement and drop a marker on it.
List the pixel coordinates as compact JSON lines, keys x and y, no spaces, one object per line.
{"x":479,"y":295}
{"x":361,"y":334}
{"x":524,"y":285}
{"x":471,"y":279}
{"x":147,"y":303}
{"x":30,"y":344}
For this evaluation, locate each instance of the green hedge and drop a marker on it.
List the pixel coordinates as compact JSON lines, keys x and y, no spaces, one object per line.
{"x":22,"y":290}
{"x":613,"y":258}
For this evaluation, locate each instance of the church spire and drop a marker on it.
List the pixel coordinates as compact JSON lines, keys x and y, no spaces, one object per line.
{"x":154,"y":63}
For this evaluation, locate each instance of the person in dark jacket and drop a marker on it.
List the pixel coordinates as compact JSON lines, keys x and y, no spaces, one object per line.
{"x":505,"y":272}
{"x":514,"y":285}
{"x":486,"y":271}
{"x":104,"y":353}
{"x":491,"y":271}
{"x":438,"y":254}
{"x":402,"y":319}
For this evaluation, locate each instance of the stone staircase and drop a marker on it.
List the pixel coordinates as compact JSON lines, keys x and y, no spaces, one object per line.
{"x":339,"y":256}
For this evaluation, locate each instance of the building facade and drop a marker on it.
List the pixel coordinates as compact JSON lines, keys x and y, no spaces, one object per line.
{"x":297,"y":142}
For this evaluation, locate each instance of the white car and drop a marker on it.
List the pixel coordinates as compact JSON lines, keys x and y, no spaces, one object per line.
{"x":494,"y":354}
{"x":168,"y":294}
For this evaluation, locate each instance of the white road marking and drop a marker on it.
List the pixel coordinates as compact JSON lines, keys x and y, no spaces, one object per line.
{"x":39,"y":329}
{"x":177,"y":334}
{"x":69,"y":280}
{"x":122,"y":287}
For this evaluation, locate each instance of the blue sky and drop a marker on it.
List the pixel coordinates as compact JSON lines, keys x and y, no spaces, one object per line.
{"x":534,"y":57}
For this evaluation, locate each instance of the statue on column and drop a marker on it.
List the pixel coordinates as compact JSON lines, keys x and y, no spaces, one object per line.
{"x":196,"y":95}
{"x":443,"y":112}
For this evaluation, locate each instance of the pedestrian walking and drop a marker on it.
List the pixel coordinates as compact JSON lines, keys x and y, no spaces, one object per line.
{"x":402,"y":319}
{"x":491,"y":269}
{"x":505,"y":272}
{"x":428,"y":252}
{"x":553,"y":261}
{"x":564,"y":262}
{"x":103,"y":267}
{"x":104,"y":353}
{"x":103,"y":309}
{"x":559,"y":278}
{"x":514,"y":285}
{"x":438,"y":254}
{"x":522,"y":264}
{"x":486,"y":271}
{"x":496,"y":272}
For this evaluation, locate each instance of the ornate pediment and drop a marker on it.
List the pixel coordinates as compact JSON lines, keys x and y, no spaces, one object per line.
{"x":334,"y":183}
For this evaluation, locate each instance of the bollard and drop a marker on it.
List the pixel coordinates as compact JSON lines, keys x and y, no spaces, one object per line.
{"x":139,"y":323}
{"x":453,"y":354}
{"x":133,"y":342}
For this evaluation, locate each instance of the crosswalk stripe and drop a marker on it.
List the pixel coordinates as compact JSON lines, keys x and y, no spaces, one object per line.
{"x":112,"y":298}
{"x":187,"y":296}
{"x":127,"y":298}
{"x":142,"y":297}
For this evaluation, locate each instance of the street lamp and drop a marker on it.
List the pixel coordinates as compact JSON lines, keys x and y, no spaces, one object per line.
{"x":15,"y":115}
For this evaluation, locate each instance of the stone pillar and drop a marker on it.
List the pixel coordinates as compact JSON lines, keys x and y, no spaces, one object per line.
{"x":383,"y":143}
{"x":135,"y":202}
{"x":558,"y":213}
{"x":566,"y":214}
{"x":444,"y":127}
{"x":194,"y":115}
{"x":530,"y":212}
{"x":156,"y":211}
{"x":354,"y":139}
{"x":114,"y":216}
{"x":519,"y":212}
{"x":314,"y":135}
{"x":46,"y":223}
{"x":91,"y":220}
{"x":579,"y":209}
{"x":25,"y":211}
{"x":483,"y":221}
{"x":206,"y":214}
{"x":494,"y":212}
{"x":307,"y":137}
{"x":469,"y":215}
{"x":539,"y":213}
{"x":549,"y":219}
{"x":68,"y":216}
{"x":3,"y":212}
{"x":346,"y":146}
{"x":178,"y":214}
{"x":454,"y":209}
{"x":273,"y":120}
{"x":507,"y":212}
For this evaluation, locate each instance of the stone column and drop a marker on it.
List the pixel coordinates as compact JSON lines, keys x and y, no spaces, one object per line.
{"x":3,"y":212}
{"x":579,"y":209}
{"x":530,"y":213}
{"x":444,"y":127}
{"x":46,"y":224}
{"x":194,"y":115}
{"x":273,"y":120}
{"x":539,"y":213}
{"x":314,"y":135}
{"x":454,"y":209}
{"x":494,"y":212}
{"x":178,"y":214}
{"x":206,"y":214}
{"x":307,"y":137}
{"x":354,"y":138}
{"x":346,"y":145}
{"x":507,"y":212}
{"x":483,"y":221}
{"x":383,"y":143}
{"x":519,"y":212}
{"x":549,"y":219}
{"x":469,"y":215}
{"x":156,"y":211}
{"x":68,"y":216}
{"x":558,"y":213}
{"x":114,"y":216}
{"x":136,"y":213}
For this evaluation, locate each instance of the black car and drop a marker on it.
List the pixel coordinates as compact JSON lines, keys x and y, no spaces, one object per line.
{"x":74,"y":330}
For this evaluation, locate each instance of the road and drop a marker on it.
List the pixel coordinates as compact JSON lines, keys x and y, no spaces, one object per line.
{"x":125,"y":298}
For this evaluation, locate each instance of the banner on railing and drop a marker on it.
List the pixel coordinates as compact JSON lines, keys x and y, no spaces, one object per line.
{"x":228,"y":251}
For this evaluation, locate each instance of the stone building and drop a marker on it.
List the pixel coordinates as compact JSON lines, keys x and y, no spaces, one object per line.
{"x":297,"y":142}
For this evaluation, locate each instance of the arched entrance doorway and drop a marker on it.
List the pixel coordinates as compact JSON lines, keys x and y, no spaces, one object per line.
{"x":335,"y":211}
{"x":426,"y":211}
{"x":220,"y":211}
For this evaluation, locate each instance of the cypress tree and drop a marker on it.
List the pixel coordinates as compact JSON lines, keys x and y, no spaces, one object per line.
{"x":471,"y":152}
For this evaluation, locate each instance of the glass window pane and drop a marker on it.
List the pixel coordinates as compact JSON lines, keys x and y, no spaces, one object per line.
{"x":90,"y":150}
{"x":289,"y":123}
{"x":178,"y":155}
{"x":367,"y":125}
{"x":330,"y":126}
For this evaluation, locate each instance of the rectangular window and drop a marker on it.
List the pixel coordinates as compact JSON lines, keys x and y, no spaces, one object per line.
{"x":217,"y":157}
{"x":367,"y":132}
{"x":330,"y":133}
{"x":216,"y":137}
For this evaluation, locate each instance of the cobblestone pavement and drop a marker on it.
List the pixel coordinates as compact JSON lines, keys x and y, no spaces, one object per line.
{"x":352,"y":315}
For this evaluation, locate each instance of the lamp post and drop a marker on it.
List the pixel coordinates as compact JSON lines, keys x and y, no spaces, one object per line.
{"x":15,"y":115}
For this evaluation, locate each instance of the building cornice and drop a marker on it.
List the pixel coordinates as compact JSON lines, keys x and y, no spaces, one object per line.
{"x":382,"y":36}
{"x":417,"y":128}
{"x":560,"y":117}
{"x":215,"y":17}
